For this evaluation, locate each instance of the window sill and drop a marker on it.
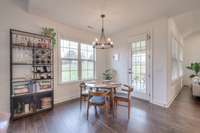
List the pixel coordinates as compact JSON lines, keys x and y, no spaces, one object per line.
{"x":69,"y":82}
{"x":74,"y":82}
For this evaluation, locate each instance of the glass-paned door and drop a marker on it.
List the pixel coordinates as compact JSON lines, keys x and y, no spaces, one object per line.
{"x":139,"y":71}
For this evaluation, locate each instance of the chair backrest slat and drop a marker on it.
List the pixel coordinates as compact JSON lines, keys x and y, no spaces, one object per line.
{"x":82,"y":87}
{"x":127,"y":88}
{"x":98,"y":93}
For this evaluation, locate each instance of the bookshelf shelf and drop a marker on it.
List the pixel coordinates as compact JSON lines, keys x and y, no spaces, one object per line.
{"x":33,"y":93}
{"x":21,"y":64}
{"x":22,"y":115}
{"x":22,"y":45}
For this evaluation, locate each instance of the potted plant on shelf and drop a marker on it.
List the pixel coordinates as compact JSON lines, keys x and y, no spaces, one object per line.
{"x":50,"y":32}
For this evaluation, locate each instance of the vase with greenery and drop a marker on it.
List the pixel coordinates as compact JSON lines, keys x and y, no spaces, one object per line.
{"x":108,"y":74}
{"x":50,"y":32}
{"x":195,"y":67}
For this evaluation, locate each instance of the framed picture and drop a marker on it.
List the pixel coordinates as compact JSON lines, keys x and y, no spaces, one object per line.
{"x":116,"y":57}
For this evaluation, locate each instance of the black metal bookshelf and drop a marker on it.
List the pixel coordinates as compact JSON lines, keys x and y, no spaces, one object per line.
{"x":31,"y":74}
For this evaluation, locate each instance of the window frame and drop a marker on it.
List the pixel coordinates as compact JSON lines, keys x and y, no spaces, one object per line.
{"x":176,"y":60}
{"x":79,"y":61}
{"x":88,"y":60}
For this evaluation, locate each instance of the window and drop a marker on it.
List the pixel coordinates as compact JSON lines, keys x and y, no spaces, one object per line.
{"x":87,"y":62}
{"x":69,"y":57}
{"x":77,"y":61}
{"x":180,"y":61}
{"x":177,"y":60}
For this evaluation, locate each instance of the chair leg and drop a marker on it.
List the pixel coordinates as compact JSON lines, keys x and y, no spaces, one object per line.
{"x":115,"y":109}
{"x":95,"y":110}
{"x":129,"y":109}
{"x":80,"y":104}
{"x":88,"y":110}
{"x":116,"y":104}
{"x":105,"y":110}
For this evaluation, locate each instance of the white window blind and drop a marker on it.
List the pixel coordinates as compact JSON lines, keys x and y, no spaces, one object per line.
{"x":177,"y":59}
{"x":77,"y":61}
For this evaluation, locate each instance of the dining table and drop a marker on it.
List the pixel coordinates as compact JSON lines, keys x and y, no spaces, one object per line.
{"x":111,"y":86}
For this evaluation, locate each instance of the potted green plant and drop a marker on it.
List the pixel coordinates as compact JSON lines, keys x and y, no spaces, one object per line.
{"x":108,"y":74}
{"x":195,"y":67}
{"x":50,"y":32}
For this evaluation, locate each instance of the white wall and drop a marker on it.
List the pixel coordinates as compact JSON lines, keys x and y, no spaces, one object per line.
{"x":13,"y":15}
{"x":174,"y":87}
{"x":192,"y":54}
{"x":159,"y":42}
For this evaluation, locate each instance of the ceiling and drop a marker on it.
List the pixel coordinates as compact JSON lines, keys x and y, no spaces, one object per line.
{"x":121,"y":14}
{"x":188,"y":23}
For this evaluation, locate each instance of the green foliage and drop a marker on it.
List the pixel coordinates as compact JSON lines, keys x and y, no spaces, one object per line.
{"x":50,"y":32}
{"x":195,"y":67}
{"x":107,"y":75}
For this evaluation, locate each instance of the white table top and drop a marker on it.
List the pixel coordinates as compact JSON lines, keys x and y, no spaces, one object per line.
{"x":102,"y":85}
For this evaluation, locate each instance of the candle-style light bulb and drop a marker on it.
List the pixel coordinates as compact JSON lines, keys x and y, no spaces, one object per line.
{"x":109,"y":40}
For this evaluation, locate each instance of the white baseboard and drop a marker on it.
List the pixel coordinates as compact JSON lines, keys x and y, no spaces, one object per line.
{"x":155,"y":102}
{"x":60,"y":100}
{"x":172,"y":99}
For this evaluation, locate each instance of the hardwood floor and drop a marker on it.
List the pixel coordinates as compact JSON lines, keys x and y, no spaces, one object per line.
{"x":182,"y":117}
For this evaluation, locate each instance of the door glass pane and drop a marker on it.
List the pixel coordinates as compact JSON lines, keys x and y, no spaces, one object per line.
{"x":139,"y":66}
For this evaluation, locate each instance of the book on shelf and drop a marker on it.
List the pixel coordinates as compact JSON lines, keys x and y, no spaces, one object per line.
{"x":20,"y":80}
{"x":46,"y":102}
{"x":20,"y":88}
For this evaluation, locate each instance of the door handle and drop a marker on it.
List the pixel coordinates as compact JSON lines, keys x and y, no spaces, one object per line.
{"x":130,"y":71}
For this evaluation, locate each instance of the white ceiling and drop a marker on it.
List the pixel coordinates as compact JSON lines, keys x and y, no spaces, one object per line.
{"x":188,"y":23}
{"x":121,"y":14}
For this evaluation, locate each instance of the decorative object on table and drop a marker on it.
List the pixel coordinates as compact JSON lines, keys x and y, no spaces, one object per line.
{"x":108,"y":74}
{"x":103,"y":42}
{"x":195,"y":67}
{"x":31,"y":73}
{"x":50,"y":32}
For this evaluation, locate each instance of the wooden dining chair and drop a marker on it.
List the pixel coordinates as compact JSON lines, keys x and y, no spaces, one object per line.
{"x":84,"y":93}
{"x":124,"y":95}
{"x":97,"y":98}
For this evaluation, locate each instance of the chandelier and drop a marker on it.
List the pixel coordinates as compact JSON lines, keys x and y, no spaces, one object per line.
{"x":103,"y":42}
